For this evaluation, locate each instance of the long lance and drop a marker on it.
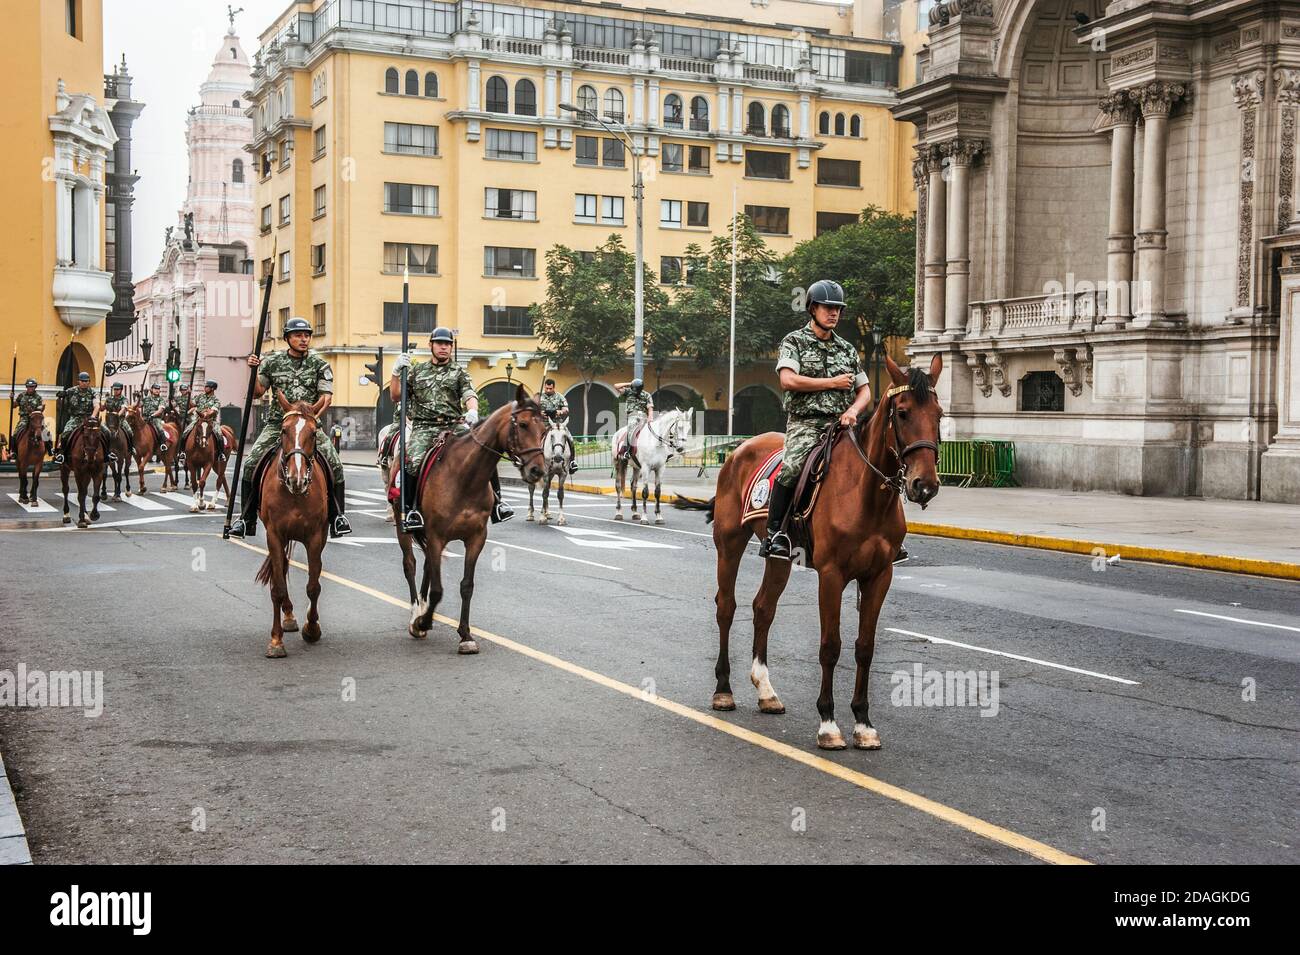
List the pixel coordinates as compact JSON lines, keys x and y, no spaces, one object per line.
{"x":193,"y":369}
{"x":401,"y":411}
{"x":13,"y":396}
{"x":248,"y":396}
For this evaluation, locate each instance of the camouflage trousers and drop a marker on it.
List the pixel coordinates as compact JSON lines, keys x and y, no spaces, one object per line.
{"x":422,"y":439}
{"x":269,"y":437}
{"x":72,"y":424}
{"x":801,"y":436}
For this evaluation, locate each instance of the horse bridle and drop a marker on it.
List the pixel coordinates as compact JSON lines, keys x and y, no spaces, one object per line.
{"x":898,"y":481}
{"x":286,"y":457}
{"x":512,"y":451}
{"x":649,"y":425}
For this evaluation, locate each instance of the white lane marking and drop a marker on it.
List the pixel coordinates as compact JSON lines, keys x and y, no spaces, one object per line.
{"x":40,"y":507}
{"x":185,"y":499}
{"x":358,"y":502}
{"x":608,"y":540}
{"x":173,"y":516}
{"x":630,"y":523}
{"x":144,"y":503}
{"x":1013,"y":656}
{"x":1219,"y":616}
{"x":374,"y":495}
{"x":547,"y":553}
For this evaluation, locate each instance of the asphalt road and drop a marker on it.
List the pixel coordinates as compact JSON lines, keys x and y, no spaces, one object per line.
{"x":582,"y":731}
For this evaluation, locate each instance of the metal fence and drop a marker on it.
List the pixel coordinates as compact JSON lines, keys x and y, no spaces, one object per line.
{"x":978,"y":463}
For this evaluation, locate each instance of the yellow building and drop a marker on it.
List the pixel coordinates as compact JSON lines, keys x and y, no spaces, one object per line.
{"x":436,"y":127}
{"x":58,"y":139}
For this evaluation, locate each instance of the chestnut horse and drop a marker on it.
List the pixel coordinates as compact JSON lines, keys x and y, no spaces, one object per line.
{"x":294,"y":506}
{"x":146,"y":442}
{"x":29,"y":455}
{"x":457,"y":499}
{"x":857,"y":529}
{"x":201,"y":458}
{"x":117,"y":443}
{"x":83,"y":456}
{"x":171,"y":466}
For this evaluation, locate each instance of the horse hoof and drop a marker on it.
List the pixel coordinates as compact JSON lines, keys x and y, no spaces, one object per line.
{"x":543,"y":521}
{"x":276,"y":651}
{"x":311,"y":632}
{"x":618,"y":517}
{"x":659,"y":520}
{"x":529,"y":517}
{"x":22,"y":500}
{"x":561,"y":521}
{"x":417,"y":634}
{"x":467,"y":646}
{"x":194,"y":508}
{"x":66,"y":519}
{"x":831,"y":739}
{"x":290,"y":625}
{"x":772,"y":705}
{"x":128,"y":493}
{"x":865,"y":737}
{"x":637,"y":518}
{"x":117,"y":498}
{"x":83,"y":523}
{"x":724,"y":701}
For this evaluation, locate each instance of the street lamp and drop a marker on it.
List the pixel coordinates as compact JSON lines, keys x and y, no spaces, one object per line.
{"x":638,"y":194}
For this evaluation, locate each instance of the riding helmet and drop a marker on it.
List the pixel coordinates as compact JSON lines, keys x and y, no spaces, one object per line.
{"x":826,"y":292}
{"x":210,"y":384}
{"x":637,"y":384}
{"x":84,"y":376}
{"x":117,"y":386}
{"x":30,"y":383}
{"x":297,"y":324}
{"x":442,"y":334}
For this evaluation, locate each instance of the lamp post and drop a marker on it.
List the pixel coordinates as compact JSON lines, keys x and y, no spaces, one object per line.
{"x":877,"y":341}
{"x":638,"y":195}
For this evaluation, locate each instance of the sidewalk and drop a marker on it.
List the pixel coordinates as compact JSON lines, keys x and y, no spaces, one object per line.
{"x":1238,"y":536}
{"x":13,"y":839}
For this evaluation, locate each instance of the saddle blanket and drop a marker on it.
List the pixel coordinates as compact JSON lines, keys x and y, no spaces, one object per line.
{"x":758,"y":489}
{"x":430,"y":458}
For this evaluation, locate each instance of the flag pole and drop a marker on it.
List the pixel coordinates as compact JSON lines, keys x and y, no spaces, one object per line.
{"x":401,"y":411}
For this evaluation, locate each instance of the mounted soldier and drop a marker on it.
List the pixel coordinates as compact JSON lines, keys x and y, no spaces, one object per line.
{"x":640,"y":408}
{"x":556,"y":408}
{"x":116,"y":404}
{"x":152,"y":407}
{"x":299,"y":374}
{"x":202,"y":403}
{"x":28,"y":402}
{"x":435,"y":392}
{"x":80,"y":403}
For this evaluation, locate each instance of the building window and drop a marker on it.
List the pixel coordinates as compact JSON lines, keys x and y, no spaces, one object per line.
{"x":612,"y":153}
{"x":614,"y":105}
{"x":266,"y":164}
{"x":284,"y":320}
{"x":226,"y":263}
{"x":757,"y":125}
{"x":318,"y":259}
{"x":284,"y":210}
{"x":516,"y":320}
{"x":839,"y":124}
{"x":424,"y":317}
{"x":772,"y":220}
{"x":391,"y":81}
{"x":284,"y":266}
{"x":318,"y":142}
{"x":519,"y":263}
{"x":697,"y":214}
{"x":282,"y":148}
{"x":317,"y":87}
{"x":760,"y":164}
{"x":510,"y":204}
{"x":237,"y":170}
{"x":1042,"y":391}
{"x":267,"y":269}
{"x":431,"y":85}
{"x":584,"y":208}
{"x":422,"y":259}
{"x":699,"y":159}
{"x":699,"y":114}
{"x":670,"y":269}
{"x":266,"y":219}
{"x":525,"y":98}
{"x":587,"y":150}
{"x":71,"y":21}
{"x":855,"y":126}
{"x":670,"y":158}
{"x":405,"y":198}
{"x":318,"y":201}
{"x":670,"y":213}
{"x":412,"y":83}
{"x":673,"y":110}
{"x":830,"y":221}
{"x":498,"y":95}
{"x":318,"y":318}
{"x":838,"y":172}
{"x":824,"y":124}
{"x":408,"y":139}
{"x":611,"y":210}
{"x":780,"y":122}
{"x":511,"y":144}
{"x":587,"y":99}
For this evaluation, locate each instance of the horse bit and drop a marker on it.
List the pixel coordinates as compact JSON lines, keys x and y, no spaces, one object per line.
{"x":897,"y":481}
{"x":515,"y":455}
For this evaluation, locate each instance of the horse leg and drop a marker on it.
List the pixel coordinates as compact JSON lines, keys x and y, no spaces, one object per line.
{"x":430,"y":590}
{"x":636,"y":479}
{"x":127,"y":471}
{"x":192,"y":481}
{"x":290,"y":622}
{"x":730,"y":549}
{"x":546,"y":498}
{"x":830,"y":592}
{"x":658,"y":473}
{"x":311,"y":629}
{"x":559,"y":496}
{"x":473,"y":547}
{"x":408,"y":559}
{"x":280,"y":606}
{"x":871,"y":596}
{"x":117,"y":480}
{"x":776,"y":574}
{"x":531,"y":489}
{"x":63,"y":474}
{"x":22,"y":483}
{"x":620,"y":472}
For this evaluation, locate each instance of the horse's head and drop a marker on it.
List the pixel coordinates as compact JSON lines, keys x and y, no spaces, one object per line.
{"x":518,"y":429}
{"x":206,"y":424}
{"x":298,"y":442}
{"x":35,"y":426}
{"x":914,"y":415}
{"x":556,"y":447}
{"x":679,"y":430}
{"x":90,"y":449}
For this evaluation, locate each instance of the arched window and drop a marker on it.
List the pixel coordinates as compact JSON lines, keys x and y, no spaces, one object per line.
{"x":673,"y":110}
{"x":233,"y":54}
{"x":756,"y":125}
{"x":614,"y":104}
{"x":498,"y":95}
{"x":390,"y":81}
{"x":855,"y":125}
{"x":780,"y":122}
{"x":430,"y":84}
{"x":839,"y":124}
{"x":237,"y":171}
{"x":587,"y":99}
{"x":525,"y":98}
{"x":699,"y":113}
{"x":824,"y":124}
{"x":235,"y":104}
{"x":412,"y":83}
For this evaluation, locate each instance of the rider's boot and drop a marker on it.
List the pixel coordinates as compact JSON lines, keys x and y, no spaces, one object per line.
{"x":49,"y":449}
{"x":777,"y":542}
{"x":501,"y":511}
{"x":57,"y":452}
{"x":411,"y":519}
{"x":246,"y":523}
{"x":339,"y":527}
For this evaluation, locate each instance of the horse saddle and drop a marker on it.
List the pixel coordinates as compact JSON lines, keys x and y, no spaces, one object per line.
{"x":422,"y":474}
{"x":758,"y":489}
{"x":260,"y":469}
{"x":628,"y":444}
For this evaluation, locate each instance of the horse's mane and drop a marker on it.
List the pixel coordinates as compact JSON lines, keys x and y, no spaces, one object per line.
{"x":919,"y":381}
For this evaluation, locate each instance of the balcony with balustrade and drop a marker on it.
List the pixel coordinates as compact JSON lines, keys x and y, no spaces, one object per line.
{"x":1038,"y":317}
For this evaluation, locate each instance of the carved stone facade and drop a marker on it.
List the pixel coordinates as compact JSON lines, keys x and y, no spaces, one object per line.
{"x":1109,"y":202}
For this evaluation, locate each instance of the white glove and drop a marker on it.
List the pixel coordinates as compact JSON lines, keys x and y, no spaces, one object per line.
{"x":471,"y":417}
{"x":403,"y":361}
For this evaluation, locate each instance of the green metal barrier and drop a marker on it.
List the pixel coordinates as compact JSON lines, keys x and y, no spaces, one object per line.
{"x":957,"y":463}
{"x":978,"y":463}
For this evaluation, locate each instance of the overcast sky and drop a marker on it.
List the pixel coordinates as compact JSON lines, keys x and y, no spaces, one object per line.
{"x":169,"y":49}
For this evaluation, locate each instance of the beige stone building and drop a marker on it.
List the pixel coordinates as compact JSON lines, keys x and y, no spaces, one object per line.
{"x":1109,"y":240}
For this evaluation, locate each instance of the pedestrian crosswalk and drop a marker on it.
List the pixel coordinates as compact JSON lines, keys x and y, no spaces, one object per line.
{"x":153,"y":501}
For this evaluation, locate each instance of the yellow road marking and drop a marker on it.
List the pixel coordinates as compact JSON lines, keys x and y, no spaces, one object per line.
{"x":956,"y":817}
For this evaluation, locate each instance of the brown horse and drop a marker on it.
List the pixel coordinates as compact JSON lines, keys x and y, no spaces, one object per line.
{"x":169,"y":458}
{"x":294,"y":507}
{"x":146,"y":442}
{"x":30,"y":456}
{"x":202,"y":457}
{"x":84,"y":457}
{"x":117,"y":443}
{"x":857,"y":529}
{"x":457,"y":499}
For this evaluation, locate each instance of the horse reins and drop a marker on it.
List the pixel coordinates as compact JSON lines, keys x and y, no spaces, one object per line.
{"x":285,"y":458}
{"x":898,"y":480}
{"x":515,"y":454}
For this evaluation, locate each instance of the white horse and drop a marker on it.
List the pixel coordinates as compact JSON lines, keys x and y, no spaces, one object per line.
{"x":556,"y":450}
{"x":657,"y":441}
{"x":385,"y":461}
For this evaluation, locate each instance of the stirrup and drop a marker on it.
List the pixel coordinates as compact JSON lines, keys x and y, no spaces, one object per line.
{"x":902,"y":555}
{"x":502,"y":512}
{"x":413,"y":522}
{"x":59,"y":458}
{"x":340,"y":527}
{"x":776,"y":545}
{"x":239,"y":529}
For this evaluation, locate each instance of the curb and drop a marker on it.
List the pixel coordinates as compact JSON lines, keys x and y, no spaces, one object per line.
{"x":13,"y":838}
{"x":1156,"y":555}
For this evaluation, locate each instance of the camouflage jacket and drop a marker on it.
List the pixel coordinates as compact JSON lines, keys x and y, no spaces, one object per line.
{"x":115,"y":404}
{"x":298,"y":379}
{"x":435,"y":393}
{"x":805,"y":354}
{"x":80,"y":403}
{"x":182,"y":404}
{"x":203,"y":402}
{"x":26,"y":404}
{"x":638,"y":402}
{"x":553,"y":405}
{"x":153,"y":407}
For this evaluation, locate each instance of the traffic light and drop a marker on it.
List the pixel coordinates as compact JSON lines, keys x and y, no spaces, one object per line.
{"x":375,"y":369}
{"x":174,"y":364}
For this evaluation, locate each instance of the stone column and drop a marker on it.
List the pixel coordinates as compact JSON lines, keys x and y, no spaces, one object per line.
{"x":551,"y":108}
{"x":958,"y":155}
{"x":1287,"y":84}
{"x":472,"y":85}
{"x":1279,"y":466}
{"x":1155,"y":99}
{"x":936,"y":247}
{"x":1121,"y":115}
{"x":721,"y":108}
{"x":1248,"y":91}
{"x":921,"y":182}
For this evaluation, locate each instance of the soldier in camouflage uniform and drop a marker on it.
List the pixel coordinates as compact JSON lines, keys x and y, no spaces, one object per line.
{"x":823,"y":383}
{"x":640,"y":408}
{"x":80,"y":404}
{"x":435,"y":391}
{"x":152,"y":407}
{"x":115,"y":403}
{"x":26,"y":403}
{"x":556,"y":408}
{"x":181,"y":405}
{"x":300,"y":375}
{"x":202,"y":403}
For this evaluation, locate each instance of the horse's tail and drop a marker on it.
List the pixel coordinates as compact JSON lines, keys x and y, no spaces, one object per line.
{"x":264,"y":572}
{"x":695,"y":504}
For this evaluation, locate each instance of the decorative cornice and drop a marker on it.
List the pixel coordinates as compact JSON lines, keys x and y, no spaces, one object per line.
{"x":1287,"y":85}
{"x":1158,"y":97}
{"x":1248,"y":89}
{"x":1118,"y":109}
